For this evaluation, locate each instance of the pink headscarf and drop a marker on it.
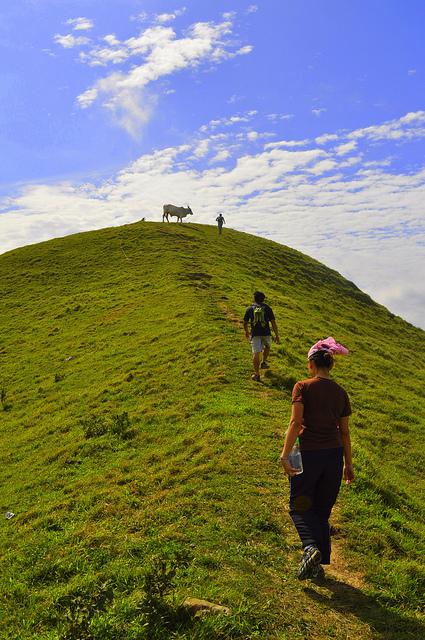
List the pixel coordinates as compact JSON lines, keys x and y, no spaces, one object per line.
{"x":329,"y":345}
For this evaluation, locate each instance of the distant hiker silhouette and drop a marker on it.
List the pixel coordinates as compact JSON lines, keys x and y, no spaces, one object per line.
{"x":220,"y":221}
{"x":256,"y":322}
{"x":320,"y":415}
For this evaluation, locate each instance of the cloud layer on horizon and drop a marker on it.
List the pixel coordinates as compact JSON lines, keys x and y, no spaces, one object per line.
{"x":337,"y":198}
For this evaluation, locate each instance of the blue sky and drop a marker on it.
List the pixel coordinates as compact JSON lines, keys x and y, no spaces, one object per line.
{"x":304,"y":122}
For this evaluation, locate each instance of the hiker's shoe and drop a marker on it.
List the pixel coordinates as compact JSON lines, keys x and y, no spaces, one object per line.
{"x":255,"y":377}
{"x":318,"y":573}
{"x":309,"y":562}
{"x":264,"y":365}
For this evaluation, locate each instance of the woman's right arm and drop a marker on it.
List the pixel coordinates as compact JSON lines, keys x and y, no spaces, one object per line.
{"x":346,"y":443}
{"x":294,"y":430}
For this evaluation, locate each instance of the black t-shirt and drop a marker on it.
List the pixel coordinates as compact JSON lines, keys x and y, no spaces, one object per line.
{"x":257,"y":329}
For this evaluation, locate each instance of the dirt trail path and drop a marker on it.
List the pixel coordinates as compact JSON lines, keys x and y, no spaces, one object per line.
{"x":338,"y":568}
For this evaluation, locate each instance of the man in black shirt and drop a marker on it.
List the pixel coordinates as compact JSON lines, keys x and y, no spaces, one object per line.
{"x":258,"y":317}
{"x":220,"y":221}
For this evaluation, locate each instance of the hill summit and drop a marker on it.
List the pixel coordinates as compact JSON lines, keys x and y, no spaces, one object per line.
{"x":140,"y":462}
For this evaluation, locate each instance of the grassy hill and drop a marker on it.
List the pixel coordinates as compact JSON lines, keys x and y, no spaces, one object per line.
{"x":141,"y":462}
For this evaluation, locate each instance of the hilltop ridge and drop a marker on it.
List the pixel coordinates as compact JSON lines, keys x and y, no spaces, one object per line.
{"x":131,"y":434}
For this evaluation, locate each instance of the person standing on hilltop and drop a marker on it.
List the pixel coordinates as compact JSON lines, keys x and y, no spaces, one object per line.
{"x":256,"y":322}
{"x":320,"y":414}
{"x":220,"y":221}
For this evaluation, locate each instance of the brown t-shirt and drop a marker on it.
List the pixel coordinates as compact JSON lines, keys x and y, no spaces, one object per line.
{"x":325,"y":402}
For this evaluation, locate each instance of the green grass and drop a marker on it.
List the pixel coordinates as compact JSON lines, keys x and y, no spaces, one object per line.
{"x":142,"y":463}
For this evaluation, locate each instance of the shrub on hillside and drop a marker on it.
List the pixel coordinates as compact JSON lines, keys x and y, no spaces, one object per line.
{"x":119,"y":425}
{"x":3,"y":399}
{"x":74,"y":611}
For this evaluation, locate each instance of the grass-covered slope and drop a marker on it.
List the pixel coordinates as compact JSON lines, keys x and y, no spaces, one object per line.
{"x":141,"y":462}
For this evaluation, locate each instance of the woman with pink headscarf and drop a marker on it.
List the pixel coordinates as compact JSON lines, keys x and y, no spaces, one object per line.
{"x":320,"y":414}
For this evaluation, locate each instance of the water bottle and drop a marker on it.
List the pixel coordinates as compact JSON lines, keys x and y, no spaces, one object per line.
{"x":295,"y":458}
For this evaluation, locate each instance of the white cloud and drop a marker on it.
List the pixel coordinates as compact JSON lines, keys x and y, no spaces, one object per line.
{"x":111,"y":39}
{"x":411,"y":72}
{"x":234,"y":98}
{"x":326,"y":137}
{"x":350,"y":162}
{"x":87,"y":98}
{"x":69,"y":41}
{"x":287,"y":143}
{"x":252,"y":8}
{"x":133,"y":110}
{"x":229,"y":121}
{"x":163,"y":18}
{"x":323,"y":166}
{"x":221,"y":156}
{"x":147,"y":41}
{"x":408,"y":127}
{"x":102,"y":56}
{"x":243,"y":51}
{"x":318,"y":112}
{"x":386,"y":162}
{"x":143,"y":16}
{"x":345,"y":148}
{"x":254,"y":136}
{"x":279,"y":116}
{"x":366,"y":223}
{"x":202,"y":148}
{"x":80,"y":24}
{"x":163,"y":53}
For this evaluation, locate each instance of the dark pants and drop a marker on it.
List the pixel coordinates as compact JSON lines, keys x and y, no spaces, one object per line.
{"x":313,"y":494}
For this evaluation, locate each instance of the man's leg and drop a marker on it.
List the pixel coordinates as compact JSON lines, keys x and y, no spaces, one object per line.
{"x":256,"y":362}
{"x":256,"y":352}
{"x":266,"y":351}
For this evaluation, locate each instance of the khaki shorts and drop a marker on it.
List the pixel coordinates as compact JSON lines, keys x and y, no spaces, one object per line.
{"x":259,"y":342}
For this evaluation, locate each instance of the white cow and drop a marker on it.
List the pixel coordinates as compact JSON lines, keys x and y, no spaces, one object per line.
{"x":178,"y":212}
